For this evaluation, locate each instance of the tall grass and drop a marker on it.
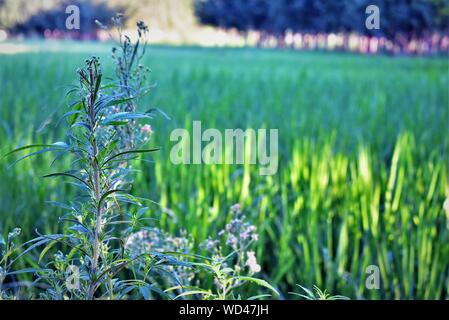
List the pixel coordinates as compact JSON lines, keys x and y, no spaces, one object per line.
{"x":363,"y":169}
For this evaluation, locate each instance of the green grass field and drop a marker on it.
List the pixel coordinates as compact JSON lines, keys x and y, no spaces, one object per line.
{"x":363,"y":170}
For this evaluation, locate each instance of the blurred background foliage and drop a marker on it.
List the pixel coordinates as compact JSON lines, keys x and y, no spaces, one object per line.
{"x":407,"y":18}
{"x":50,"y":14}
{"x":411,"y":17}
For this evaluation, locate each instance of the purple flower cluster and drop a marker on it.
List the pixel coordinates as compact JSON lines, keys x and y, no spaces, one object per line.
{"x":238,"y":235}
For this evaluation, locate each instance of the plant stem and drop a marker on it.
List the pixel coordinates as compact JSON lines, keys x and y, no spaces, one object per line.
{"x":96,"y":252}
{"x":97,"y":187}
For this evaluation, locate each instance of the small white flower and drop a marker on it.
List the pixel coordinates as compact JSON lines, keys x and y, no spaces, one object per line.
{"x":146,"y":129}
{"x":254,"y":267}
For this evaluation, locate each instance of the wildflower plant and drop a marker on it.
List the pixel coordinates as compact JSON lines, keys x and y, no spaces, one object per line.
{"x":101,"y":143}
{"x":317,"y":294}
{"x":238,"y":236}
{"x":7,"y":251}
{"x":106,"y":250}
{"x":232,"y":264}
{"x":180,"y":274}
{"x":131,"y":76}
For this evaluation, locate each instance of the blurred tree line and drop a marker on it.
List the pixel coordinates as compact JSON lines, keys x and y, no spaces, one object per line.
{"x":406,"y":18}
{"x":400,"y":20}
{"x":36,"y":16}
